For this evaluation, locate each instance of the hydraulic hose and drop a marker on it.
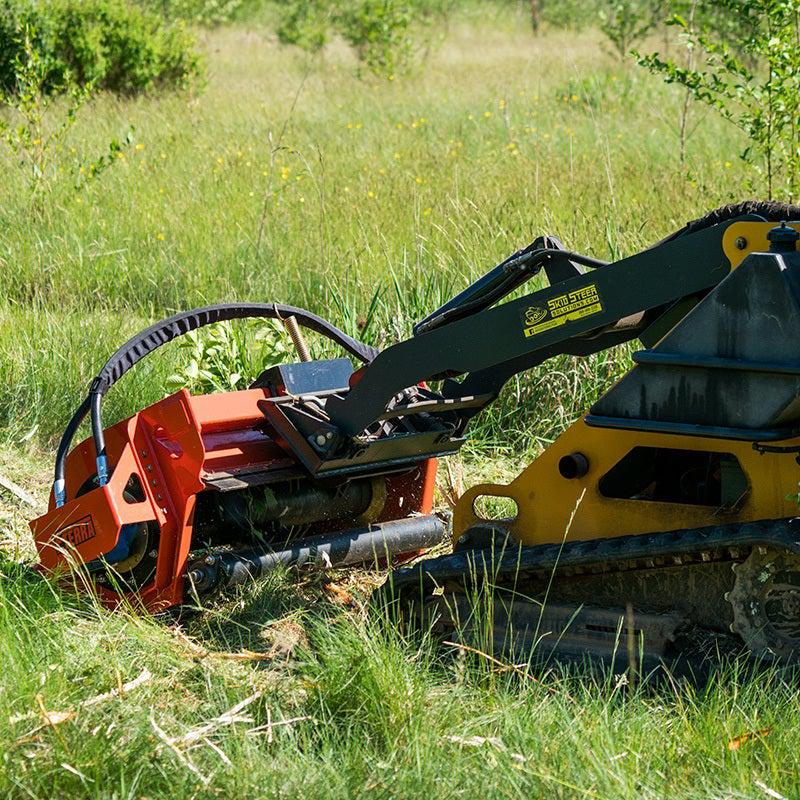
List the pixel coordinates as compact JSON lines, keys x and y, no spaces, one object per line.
{"x":150,"y":339}
{"x":495,"y":285}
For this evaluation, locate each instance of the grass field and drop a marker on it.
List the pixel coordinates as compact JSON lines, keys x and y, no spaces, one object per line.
{"x":290,"y":179}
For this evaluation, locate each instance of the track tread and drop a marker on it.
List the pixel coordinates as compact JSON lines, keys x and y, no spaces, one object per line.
{"x":618,"y":552}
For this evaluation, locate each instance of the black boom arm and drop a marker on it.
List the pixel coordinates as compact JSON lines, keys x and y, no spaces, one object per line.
{"x":579,"y":314}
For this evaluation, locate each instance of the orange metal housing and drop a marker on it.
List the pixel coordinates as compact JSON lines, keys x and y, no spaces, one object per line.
{"x":174,"y":448}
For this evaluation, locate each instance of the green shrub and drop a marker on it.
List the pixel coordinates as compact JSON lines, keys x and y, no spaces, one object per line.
{"x":377,"y":30}
{"x":106,"y":44}
{"x":627,"y":22}
{"x":383,"y":33}
{"x":571,"y":14}
{"x":751,"y":82}
{"x":304,"y":23}
{"x":197,"y":12}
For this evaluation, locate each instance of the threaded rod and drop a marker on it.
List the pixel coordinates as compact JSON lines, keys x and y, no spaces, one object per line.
{"x":298,"y":340}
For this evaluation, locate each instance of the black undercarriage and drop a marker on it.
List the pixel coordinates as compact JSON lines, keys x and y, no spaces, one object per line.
{"x":588,"y":598}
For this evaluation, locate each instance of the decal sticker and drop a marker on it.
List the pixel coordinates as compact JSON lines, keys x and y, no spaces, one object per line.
{"x":534,"y":315}
{"x":77,"y":533}
{"x":564,"y":308}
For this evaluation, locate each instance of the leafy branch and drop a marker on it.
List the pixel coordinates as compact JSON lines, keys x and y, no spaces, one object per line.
{"x":754,"y":83}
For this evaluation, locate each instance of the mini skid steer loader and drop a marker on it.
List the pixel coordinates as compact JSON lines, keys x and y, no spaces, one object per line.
{"x":669,"y":506}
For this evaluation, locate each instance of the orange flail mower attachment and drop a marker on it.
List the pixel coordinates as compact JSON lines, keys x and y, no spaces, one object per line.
{"x":162,"y":459}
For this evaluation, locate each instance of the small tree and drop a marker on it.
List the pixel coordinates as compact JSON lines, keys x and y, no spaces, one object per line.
{"x":626,"y":22}
{"x":34,"y":125}
{"x":754,"y":82}
{"x":304,"y":23}
{"x":378,"y":32}
{"x":383,"y":33}
{"x":536,"y":14}
{"x":28,"y":135}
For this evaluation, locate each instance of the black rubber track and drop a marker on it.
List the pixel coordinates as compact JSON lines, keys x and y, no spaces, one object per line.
{"x":474,"y":565}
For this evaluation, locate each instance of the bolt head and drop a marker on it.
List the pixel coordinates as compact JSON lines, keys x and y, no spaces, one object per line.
{"x":741,"y":243}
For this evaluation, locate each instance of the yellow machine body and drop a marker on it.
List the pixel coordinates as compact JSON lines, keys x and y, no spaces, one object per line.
{"x":670,"y":510}
{"x":551,"y":508}
{"x":743,"y":238}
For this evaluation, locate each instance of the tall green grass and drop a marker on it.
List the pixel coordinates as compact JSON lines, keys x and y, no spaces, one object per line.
{"x":370,"y":202}
{"x":291,"y":179}
{"x":374,"y":714}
